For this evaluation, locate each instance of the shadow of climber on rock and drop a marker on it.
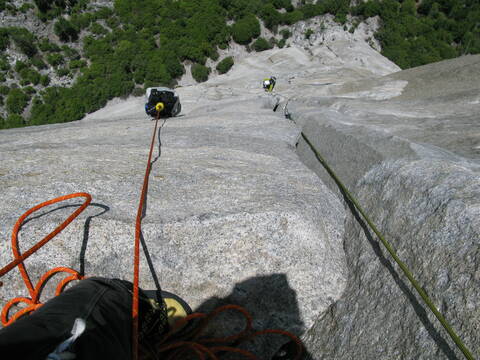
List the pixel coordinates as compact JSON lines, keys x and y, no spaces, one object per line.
{"x":271,"y":302}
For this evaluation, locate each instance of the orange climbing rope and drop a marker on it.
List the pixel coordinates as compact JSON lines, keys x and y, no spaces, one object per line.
{"x":176,"y":349}
{"x":191,"y":341}
{"x":136,"y":256}
{"x":33,"y":302}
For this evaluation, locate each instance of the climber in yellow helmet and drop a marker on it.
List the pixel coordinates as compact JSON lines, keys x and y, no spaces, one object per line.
{"x":269,"y":83}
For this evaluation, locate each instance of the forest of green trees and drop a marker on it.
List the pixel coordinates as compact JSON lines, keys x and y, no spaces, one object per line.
{"x":415,"y":34}
{"x":140,"y":43}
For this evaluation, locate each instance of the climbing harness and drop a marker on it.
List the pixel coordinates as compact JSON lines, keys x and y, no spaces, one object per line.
{"x":466,"y":352}
{"x":183,"y":338}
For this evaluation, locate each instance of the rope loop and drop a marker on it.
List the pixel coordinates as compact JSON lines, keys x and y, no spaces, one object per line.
{"x":33,"y":302}
{"x":191,"y":340}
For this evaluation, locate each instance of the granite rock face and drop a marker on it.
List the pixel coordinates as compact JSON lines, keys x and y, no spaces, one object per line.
{"x":429,"y":212}
{"x":232,"y":213}
{"x":406,"y":145}
{"x":240,"y":211}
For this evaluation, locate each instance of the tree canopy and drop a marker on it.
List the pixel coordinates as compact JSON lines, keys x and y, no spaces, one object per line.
{"x":436,"y":30}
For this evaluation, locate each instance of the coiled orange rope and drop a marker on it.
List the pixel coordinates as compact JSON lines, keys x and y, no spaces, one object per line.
{"x":191,"y":342}
{"x":33,"y":302}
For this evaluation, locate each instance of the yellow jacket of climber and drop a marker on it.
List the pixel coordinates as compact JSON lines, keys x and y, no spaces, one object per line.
{"x":269,"y":84}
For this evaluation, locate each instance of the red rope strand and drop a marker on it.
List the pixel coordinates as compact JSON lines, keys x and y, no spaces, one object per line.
{"x":136,"y":254}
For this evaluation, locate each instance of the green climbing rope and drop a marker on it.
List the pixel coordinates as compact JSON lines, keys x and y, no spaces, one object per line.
{"x":390,"y":249}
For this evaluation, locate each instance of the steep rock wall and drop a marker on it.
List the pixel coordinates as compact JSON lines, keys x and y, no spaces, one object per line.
{"x":424,"y":197}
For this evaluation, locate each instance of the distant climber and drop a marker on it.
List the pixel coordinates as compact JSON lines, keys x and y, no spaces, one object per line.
{"x":169,"y":99}
{"x":269,"y":84}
